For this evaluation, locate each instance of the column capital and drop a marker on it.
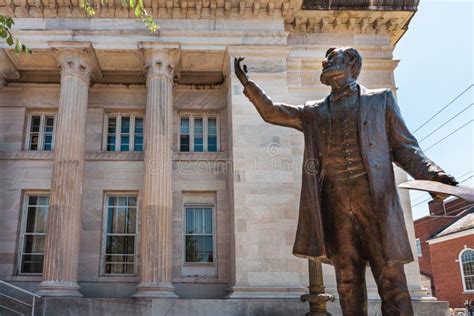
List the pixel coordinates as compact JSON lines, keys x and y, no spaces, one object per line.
{"x":8,"y":70}
{"x":160,"y":59}
{"x":77,"y":59}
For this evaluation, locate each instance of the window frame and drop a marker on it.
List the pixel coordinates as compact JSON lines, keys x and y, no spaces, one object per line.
{"x":23,"y":222}
{"x":205,"y":117}
{"x":418,"y":246}
{"x":214,"y":235}
{"x":463,"y":277}
{"x":118,"y":134}
{"x":43,"y":115}
{"x":103,"y":246}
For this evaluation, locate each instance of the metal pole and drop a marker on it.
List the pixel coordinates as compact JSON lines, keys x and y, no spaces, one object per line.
{"x":33,"y":307}
{"x":317,"y":298}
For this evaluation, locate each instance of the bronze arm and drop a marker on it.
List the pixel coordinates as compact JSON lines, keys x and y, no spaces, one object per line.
{"x":406,"y":151}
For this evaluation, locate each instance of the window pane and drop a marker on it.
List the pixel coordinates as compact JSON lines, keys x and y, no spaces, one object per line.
{"x":124,"y":143}
{"x":120,"y":245}
{"x":112,"y":125}
{"x":125,"y":127}
{"x":111,"y":143}
{"x":198,"y":135}
{"x":207,"y":221}
{"x":36,"y":219}
{"x":199,"y":249}
{"x":184,"y":143}
{"x":138,"y":145}
{"x":198,"y":221}
{"x":111,"y":130}
{"x":43,"y":200}
{"x":32,"y":263}
{"x":35,"y":124}
{"x":34,"y":244}
{"x":184,"y":129}
{"x":34,"y":140}
{"x":33,"y":200}
{"x":189,"y":221}
{"x":184,"y":134}
{"x":131,"y":221}
{"x":139,"y":125}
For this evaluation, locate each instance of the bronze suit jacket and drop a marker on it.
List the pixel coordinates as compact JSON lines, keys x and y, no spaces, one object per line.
{"x":384,"y":138}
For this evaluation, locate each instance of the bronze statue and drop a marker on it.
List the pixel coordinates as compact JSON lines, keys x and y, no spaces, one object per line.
{"x":350,"y":213}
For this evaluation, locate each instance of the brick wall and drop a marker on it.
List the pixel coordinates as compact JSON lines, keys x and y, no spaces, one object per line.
{"x":446,"y":270}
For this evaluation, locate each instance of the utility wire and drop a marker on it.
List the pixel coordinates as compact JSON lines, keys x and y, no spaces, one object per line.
{"x":442,"y":109}
{"x":435,"y":217}
{"x":453,"y":132}
{"x":452,"y":118}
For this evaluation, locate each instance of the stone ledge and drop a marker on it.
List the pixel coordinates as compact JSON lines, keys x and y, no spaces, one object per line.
{"x":204,"y":307}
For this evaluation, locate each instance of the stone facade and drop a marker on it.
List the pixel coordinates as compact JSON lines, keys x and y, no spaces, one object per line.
{"x":252,"y":181}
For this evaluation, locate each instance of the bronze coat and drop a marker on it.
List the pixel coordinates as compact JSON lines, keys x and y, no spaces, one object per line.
{"x":384,"y":138}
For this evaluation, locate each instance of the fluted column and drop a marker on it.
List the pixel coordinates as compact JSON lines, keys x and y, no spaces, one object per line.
{"x":155,"y":235}
{"x":78,"y":64}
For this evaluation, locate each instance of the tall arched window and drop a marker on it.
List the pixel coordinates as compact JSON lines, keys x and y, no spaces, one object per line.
{"x":466,"y":261}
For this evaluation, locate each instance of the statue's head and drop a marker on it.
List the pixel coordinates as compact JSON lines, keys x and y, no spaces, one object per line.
{"x":341,"y":64}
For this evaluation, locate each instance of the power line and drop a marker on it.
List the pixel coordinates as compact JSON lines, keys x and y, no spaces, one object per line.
{"x":453,"y":132}
{"x":435,"y":217}
{"x":442,"y":109}
{"x":452,"y":118}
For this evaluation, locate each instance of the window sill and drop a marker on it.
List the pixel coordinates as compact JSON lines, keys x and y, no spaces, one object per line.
{"x":27,"y":155}
{"x":24,"y":278}
{"x":200,"y":156}
{"x":199,"y":264}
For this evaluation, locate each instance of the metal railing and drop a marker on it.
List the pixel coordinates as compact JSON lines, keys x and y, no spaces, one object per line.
{"x":19,"y":300}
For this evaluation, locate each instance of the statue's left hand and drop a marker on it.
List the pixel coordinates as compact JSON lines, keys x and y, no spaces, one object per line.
{"x":240,"y":72}
{"x":446,"y":179}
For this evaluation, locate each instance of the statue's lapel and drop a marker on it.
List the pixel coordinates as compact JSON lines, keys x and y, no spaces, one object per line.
{"x":325,"y":116}
{"x":366,"y":101}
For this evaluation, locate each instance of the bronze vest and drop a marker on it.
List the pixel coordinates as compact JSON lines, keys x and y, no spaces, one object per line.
{"x":344,"y":160}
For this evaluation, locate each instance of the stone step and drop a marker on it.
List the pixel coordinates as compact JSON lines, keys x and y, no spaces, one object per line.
{"x":205,"y":307}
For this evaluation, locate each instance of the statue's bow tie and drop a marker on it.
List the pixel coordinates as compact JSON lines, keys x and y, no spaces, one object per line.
{"x":348,"y":90}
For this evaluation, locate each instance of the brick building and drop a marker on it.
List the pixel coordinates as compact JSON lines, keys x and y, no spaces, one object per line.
{"x":445,"y":248}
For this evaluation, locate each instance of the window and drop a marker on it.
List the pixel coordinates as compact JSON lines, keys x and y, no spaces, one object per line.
{"x":40,"y":131}
{"x":198,"y":133}
{"x":418,"y":247}
{"x":33,"y":233}
{"x":124,"y":132}
{"x":120,"y":234}
{"x":199,"y":239}
{"x":466,"y":260}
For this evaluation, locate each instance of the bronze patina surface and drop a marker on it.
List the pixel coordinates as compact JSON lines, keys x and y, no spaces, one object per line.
{"x":350,"y":213}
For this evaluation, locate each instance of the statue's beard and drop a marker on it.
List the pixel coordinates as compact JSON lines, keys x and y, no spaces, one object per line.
{"x":329,"y":76}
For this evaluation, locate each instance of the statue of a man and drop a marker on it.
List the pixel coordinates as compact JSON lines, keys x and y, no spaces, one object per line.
{"x":350,"y":213}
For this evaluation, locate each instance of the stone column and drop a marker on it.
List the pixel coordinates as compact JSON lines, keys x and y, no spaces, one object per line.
{"x":155,"y":234}
{"x":78,"y":63}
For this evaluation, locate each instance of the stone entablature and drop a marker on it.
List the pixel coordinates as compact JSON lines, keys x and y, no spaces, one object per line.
{"x":324,"y":19}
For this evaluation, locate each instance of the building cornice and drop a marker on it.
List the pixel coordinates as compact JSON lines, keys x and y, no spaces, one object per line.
{"x":380,"y":20}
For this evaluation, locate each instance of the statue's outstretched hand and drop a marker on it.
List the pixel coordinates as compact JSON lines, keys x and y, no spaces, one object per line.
{"x":240,"y":71}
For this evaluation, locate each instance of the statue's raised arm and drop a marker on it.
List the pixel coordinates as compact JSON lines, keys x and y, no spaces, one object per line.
{"x":275,"y":113}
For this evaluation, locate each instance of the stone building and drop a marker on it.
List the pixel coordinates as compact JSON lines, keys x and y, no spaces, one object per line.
{"x":131,"y":164}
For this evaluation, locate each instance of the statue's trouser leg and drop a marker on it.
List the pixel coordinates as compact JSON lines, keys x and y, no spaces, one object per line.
{"x":392,"y":287}
{"x":346,"y":253}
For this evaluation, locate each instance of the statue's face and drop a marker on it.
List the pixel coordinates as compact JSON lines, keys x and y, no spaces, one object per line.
{"x":334,"y":66}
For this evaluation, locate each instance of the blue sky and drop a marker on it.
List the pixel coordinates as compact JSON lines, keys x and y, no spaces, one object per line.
{"x":436,"y":65}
